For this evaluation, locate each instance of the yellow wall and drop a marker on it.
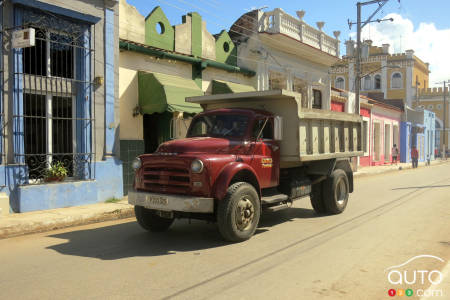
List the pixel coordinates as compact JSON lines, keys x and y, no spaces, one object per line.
{"x":131,"y":128}
{"x":421,"y":76}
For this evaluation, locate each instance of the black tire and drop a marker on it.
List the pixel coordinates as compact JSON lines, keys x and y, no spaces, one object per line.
{"x":336,"y":192}
{"x":238,"y":212}
{"x":150,"y":221}
{"x":316,"y":198}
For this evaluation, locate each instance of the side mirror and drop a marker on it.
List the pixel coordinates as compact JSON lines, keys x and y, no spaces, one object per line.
{"x":278,"y":128}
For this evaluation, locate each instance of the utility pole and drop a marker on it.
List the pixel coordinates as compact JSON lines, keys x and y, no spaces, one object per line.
{"x":444,"y":130}
{"x":359,"y":27}
{"x":358,"y":57}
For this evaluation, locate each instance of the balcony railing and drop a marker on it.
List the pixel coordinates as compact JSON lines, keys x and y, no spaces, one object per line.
{"x":277,"y":21}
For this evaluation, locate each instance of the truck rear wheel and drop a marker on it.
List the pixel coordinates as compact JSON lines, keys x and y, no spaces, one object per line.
{"x":316,"y":197}
{"x":336,"y":191}
{"x":238,"y":212}
{"x":150,"y":221}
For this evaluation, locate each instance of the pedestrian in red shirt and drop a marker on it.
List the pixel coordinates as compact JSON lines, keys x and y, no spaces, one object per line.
{"x":414,"y":156}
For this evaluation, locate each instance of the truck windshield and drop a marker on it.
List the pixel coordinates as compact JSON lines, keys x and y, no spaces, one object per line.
{"x":218,"y":125}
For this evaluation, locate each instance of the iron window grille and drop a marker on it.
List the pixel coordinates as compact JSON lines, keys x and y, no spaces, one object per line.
{"x":53,"y":117}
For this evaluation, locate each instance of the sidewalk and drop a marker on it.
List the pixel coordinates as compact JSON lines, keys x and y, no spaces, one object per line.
{"x":365,"y":171}
{"x":46,"y":220}
{"x":41,"y":221}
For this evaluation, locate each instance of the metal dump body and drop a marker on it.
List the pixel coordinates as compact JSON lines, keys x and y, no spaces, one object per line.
{"x":308,"y":134}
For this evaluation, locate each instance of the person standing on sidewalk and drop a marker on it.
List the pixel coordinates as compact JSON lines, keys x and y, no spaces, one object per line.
{"x":394,"y":154}
{"x":414,"y":157}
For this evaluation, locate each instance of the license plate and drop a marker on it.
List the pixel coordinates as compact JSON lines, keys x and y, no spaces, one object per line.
{"x":156,"y":200}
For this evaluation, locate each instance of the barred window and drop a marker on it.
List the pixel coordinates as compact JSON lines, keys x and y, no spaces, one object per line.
{"x":340,"y":83}
{"x":53,"y":118}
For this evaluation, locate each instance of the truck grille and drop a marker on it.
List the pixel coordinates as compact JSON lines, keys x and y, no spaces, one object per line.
{"x":166,"y":179}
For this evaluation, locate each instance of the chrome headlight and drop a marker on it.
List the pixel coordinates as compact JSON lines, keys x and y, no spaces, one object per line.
{"x":136,"y":164}
{"x":197,"y":166}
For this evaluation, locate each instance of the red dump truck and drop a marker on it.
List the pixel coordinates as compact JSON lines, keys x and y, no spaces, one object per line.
{"x":245,"y":154}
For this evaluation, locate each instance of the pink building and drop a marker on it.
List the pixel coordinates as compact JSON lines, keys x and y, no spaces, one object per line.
{"x":383,"y":132}
{"x":381,"y":126}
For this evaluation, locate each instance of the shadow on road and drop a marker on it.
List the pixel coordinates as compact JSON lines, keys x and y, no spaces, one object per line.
{"x":422,"y":187}
{"x":130,"y":240}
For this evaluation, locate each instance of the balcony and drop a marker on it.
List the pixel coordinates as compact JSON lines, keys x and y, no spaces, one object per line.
{"x":279,"y":22}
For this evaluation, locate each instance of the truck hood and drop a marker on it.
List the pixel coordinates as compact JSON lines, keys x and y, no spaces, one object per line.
{"x":199,"y":145}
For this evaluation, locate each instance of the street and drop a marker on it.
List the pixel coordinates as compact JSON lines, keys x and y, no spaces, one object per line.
{"x":294,"y":254}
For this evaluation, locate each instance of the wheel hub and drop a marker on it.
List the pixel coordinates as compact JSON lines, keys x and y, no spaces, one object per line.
{"x":341,"y":191}
{"x":245,"y":212}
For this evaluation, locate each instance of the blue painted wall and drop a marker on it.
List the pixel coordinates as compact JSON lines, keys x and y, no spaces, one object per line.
{"x":430,"y":133}
{"x":25,"y":198}
{"x":110,"y":130}
{"x":108,"y":179}
{"x":405,"y":142}
{"x":425,"y":142}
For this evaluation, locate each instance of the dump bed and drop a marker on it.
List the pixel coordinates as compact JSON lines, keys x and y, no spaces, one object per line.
{"x":308,"y":134}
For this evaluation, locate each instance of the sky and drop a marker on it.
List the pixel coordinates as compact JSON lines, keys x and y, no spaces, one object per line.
{"x":423,"y":26}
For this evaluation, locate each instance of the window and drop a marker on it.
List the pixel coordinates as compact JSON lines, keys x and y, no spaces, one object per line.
{"x":53,"y":55}
{"x":277,"y":81}
{"x":340,"y":83}
{"x":377,"y":82}
{"x":48,"y":131}
{"x":317,"y":99}
{"x":430,"y":106}
{"x":300,"y":87}
{"x":367,"y":83}
{"x":439,"y":106}
{"x":52,"y":115}
{"x":218,"y":125}
{"x":267,"y":133}
{"x":396,"y":82}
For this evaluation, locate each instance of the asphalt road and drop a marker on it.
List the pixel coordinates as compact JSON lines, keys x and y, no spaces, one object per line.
{"x":295,"y":254}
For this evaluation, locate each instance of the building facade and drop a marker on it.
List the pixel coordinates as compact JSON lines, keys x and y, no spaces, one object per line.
{"x":159,"y":66}
{"x":387,"y":76}
{"x":418,"y":129}
{"x":58,"y":103}
{"x":432,"y":99}
{"x":287,"y":53}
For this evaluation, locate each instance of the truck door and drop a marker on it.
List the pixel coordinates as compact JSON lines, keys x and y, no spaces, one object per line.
{"x":266,"y":154}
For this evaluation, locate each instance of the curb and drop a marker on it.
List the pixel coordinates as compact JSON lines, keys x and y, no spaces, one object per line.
{"x":23,"y":227}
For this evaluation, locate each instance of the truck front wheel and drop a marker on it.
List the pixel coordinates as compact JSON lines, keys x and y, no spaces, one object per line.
{"x":238,"y":212}
{"x":336,"y":191}
{"x":150,"y":221}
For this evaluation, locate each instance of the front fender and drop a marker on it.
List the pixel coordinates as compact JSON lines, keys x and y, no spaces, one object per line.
{"x":228,"y":173}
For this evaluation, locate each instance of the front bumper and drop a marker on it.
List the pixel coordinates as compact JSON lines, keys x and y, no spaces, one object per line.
{"x":167,"y":202}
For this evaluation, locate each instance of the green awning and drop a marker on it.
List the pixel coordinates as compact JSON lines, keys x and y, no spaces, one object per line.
{"x":225,"y":87}
{"x":160,"y":92}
